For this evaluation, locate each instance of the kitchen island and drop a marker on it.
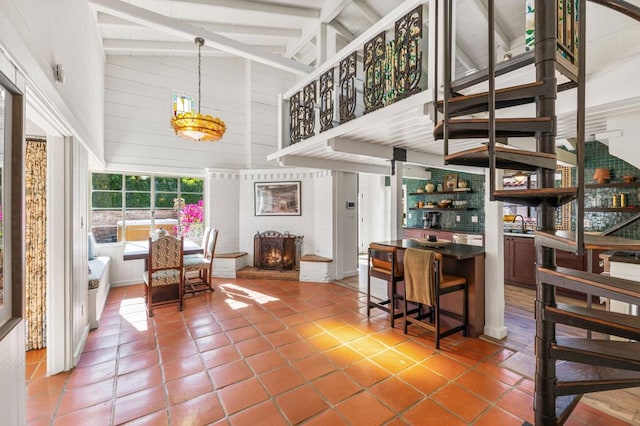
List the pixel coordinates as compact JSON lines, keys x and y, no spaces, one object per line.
{"x":458,"y":259}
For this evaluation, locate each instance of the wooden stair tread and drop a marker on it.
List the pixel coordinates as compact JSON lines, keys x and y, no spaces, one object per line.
{"x":600,"y":242}
{"x":590,"y":283}
{"x":607,"y":353}
{"x":565,"y":405}
{"x":614,"y":323}
{"x":534,"y":197}
{"x":469,"y":128}
{"x":576,"y":378}
{"x":506,"y":158}
{"x":505,"y":97}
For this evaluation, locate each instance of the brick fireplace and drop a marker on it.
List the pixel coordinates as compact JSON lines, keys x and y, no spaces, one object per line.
{"x":277,"y":251}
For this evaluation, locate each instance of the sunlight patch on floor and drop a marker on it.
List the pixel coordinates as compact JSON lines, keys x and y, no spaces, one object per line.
{"x":134,"y":311}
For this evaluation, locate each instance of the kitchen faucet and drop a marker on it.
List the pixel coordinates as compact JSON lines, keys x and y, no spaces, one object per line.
{"x":521,"y":217}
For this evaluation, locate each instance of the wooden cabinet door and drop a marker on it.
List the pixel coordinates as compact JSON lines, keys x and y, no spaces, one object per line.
{"x":507,"y":259}
{"x":523,"y":257}
{"x":570,"y":260}
{"x":412,"y":233}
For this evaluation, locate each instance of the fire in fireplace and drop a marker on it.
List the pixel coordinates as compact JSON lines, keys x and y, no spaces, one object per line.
{"x":275,"y":250}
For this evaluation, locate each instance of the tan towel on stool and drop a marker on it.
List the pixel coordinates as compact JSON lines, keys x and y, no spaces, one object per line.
{"x":418,"y":275}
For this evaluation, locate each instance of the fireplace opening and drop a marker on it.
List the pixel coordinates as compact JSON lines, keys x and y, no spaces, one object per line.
{"x":275,"y":250}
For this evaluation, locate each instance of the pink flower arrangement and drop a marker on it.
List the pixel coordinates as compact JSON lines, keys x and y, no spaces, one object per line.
{"x":190,"y":214}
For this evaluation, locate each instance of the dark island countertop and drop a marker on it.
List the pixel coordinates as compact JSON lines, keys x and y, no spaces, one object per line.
{"x":452,"y":250}
{"x":455,"y":231}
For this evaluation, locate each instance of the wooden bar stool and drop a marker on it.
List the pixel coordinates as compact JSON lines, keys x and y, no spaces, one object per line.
{"x":383,"y":264}
{"x":425,"y":283}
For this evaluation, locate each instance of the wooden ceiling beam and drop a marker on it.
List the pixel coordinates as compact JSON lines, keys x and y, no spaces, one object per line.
{"x":355,"y":147}
{"x":115,"y":46}
{"x":328,"y":164}
{"x":105,"y":20}
{"x":254,"y":6}
{"x":187,"y":31}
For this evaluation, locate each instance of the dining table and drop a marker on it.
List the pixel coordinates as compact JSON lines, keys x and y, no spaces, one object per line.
{"x":135,"y":250}
{"x":457,"y":259}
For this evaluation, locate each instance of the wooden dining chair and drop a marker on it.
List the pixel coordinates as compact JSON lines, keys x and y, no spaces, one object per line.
{"x":164,"y":279}
{"x":383,"y":264}
{"x":203,"y":265}
{"x":425,"y":284}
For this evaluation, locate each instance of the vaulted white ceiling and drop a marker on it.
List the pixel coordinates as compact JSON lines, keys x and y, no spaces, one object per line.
{"x":292,"y":34}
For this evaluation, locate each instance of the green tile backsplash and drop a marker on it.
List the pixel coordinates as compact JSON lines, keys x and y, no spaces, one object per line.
{"x":475,"y":199}
{"x":597,"y":155}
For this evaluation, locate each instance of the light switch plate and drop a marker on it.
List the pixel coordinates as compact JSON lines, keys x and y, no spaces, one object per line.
{"x":474,"y":219}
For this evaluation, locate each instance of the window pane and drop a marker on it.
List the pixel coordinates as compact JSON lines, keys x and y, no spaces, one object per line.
{"x":191,"y":198}
{"x":104,"y":225}
{"x":191,"y":185}
{"x":138,"y":183}
{"x":164,"y":200}
{"x":106,"y":200}
{"x":136,"y":200}
{"x":137,"y":225}
{"x":166,"y":184}
{"x":106,"y":181}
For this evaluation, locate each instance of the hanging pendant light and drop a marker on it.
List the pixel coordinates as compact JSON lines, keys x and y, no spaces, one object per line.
{"x":193,"y":125}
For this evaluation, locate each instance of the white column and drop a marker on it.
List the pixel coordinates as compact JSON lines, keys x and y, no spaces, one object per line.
{"x":57,"y":286}
{"x":494,"y":264}
{"x":321,"y":44}
{"x":395,"y":210}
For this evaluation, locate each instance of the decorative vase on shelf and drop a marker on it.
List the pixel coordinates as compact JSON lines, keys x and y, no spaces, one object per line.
{"x":462,"y":184}
{"x":429,"y":187}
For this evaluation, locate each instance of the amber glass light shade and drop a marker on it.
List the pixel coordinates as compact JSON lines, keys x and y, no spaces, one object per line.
{"x":198,"y":127}
{"x":602,"y":175}
{"x":194,"y":125}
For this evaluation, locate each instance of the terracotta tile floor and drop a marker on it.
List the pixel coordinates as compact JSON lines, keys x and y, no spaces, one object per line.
{"x":276,"y":352}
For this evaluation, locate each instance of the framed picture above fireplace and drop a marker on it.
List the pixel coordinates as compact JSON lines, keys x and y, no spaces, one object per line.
{"x":277,"y":198}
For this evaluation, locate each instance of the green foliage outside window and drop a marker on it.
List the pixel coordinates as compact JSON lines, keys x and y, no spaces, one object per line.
{"x":106,"y":200}
{"x":191,"y":185}
{"x":137,"y":183}
{"x":164,"y":200}
{"x":166,"y":184}
{"x":106,"y":181}
{"x":137,"y":200}
{"x":108,"y":215}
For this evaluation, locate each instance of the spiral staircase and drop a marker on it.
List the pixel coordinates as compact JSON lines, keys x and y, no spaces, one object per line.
{"x":566,"y":368}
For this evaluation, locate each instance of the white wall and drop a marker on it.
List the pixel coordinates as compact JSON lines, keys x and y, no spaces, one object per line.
{"x":625,"y":146}
{"x":345,"y":258}
{"x":138,"y":109}
{"x":223,"y":208}
{"x":316,"y":207}
{"x":375,"y":199}
{"x":39,"y":34}
{"x":13,"y":392}
{"x":76,"y":184}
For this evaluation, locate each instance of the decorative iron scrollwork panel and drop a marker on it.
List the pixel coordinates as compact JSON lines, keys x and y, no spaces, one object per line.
{"x":309,"y":114}
{"x":408,"y":57}
{"x":295,"y":115}
{"x":374,"y":75}
{"x":348,"y":88}
{"x":326,"y":100}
